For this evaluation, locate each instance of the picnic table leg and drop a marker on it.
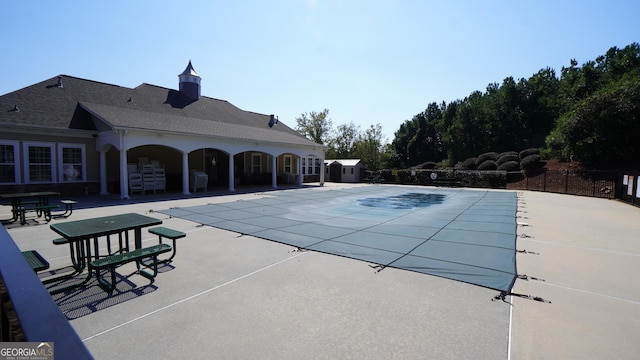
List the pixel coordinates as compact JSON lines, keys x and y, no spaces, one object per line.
{"x":138,"y":237}
{"x":86,"y":247}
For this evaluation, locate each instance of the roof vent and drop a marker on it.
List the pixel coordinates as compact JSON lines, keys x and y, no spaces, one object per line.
{"x":15,"y":108}
{"x":60,"y":82}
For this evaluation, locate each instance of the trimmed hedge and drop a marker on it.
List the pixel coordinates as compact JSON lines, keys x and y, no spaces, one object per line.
{"x":530,"y":162}
{"x":524,"y":153}
{"x":506,"y":158}
{"x":467,"y":178}
{"x":488,"y":165}
{"x":486,"y":156}
{"x":469,"y":164}
{"x":426,"y":165}
{"x":509,"y":166}
{"x":508,"y":153}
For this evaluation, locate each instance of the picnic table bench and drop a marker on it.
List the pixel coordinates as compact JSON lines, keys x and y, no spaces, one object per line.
{"x":21,"y":203}
{"x":162,"y":231}
{"x":40,"y":209}
{"x":137,"y":255}
{"x":35,"y":260}
{"x":68,"y":208}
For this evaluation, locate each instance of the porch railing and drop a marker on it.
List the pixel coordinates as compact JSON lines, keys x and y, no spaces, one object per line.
{"x":28,"y":313}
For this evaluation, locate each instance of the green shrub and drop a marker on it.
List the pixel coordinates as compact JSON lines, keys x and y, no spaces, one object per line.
{"x":426,"y":165}
{"x":533,"y":151}
{"x":488,"y":165}
{"x":509,"y":166}
{"x":486,"y":156}
{"x":507,"y":153}
{"x":467,"y":178}
{"x":469,"y":164}
{"x":507,"y":158}
{"x":530,"y":162}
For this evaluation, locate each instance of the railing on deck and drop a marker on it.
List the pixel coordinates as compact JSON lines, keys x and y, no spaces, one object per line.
{"x":28,"y":313}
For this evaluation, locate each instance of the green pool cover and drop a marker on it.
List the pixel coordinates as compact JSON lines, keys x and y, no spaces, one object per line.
{"x":459,"y":234}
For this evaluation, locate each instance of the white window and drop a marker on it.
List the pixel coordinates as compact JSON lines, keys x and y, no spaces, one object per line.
{"x":310,"y":165}
{"x":304,"y":166}
{"x":317,"y":166}
{"x":287,"y":164}
{"x":9,"y":164}
{"x":256,"y":163}
{"x":39,"y":162}
{"x":72,"y":162}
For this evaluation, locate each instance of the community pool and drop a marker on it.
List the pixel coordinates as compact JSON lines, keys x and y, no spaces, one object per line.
{"x":459,"y":234}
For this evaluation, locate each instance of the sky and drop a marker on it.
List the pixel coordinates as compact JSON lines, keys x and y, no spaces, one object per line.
{"x":367,"y":61}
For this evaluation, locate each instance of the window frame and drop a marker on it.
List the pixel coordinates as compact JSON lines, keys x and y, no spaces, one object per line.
{"x":310,"y":167}
{"x":255,"y":163}
{"x":289,"y":166}
{"x":27,"y":164}
{"x":81,"y":177}
{"x":16,"y":161}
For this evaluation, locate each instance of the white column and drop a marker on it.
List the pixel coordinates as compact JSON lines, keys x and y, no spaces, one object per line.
{"x":185,"y":173}
{"x":322,"y":170}
{"x":103,"y":172}
{"x":300,"y":176}
{"x":274,"y":173}
{"x":124,"y":177}
{"x":231,"y":174}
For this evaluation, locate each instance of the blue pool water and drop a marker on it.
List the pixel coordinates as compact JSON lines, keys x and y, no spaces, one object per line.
{"x":403,"y":201}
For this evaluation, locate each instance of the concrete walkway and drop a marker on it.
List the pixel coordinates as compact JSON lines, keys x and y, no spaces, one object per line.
{"x":589,"y":261}
{"x":232,"y":297}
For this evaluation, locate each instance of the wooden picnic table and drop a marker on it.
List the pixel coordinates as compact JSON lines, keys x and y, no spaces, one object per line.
{"x":82,"y":233}
{"x":37,"y":201}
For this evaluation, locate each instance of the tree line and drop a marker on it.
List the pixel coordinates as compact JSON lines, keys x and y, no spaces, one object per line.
{"x":589,"y":113}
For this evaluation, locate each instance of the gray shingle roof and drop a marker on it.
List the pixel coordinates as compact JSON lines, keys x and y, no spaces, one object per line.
{"x":146,"y":107}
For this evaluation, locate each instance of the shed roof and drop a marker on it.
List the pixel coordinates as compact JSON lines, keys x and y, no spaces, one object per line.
{"x":345,"y":162}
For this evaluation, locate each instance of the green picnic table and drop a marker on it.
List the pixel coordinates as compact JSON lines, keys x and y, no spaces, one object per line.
{"x":86,"y":230}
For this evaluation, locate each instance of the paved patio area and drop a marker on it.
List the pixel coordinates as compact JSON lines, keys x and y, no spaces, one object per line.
{"x":240,"y":297}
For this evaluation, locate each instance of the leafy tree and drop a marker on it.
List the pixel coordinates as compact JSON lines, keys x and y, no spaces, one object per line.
{"x":341,"y":145}
{"x":400,"y":142}
{"x":425,"y":143}
{"x":370,"y":147}
{"x":315,"y":126}
{"x":602,"y":129}
{"x":541,"y":107}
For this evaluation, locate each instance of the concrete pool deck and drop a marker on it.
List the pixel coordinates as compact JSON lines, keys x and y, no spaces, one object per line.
{"x":226,"y":296}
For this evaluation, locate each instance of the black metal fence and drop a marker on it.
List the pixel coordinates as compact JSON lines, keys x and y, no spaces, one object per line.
{"x":595,"y":183}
